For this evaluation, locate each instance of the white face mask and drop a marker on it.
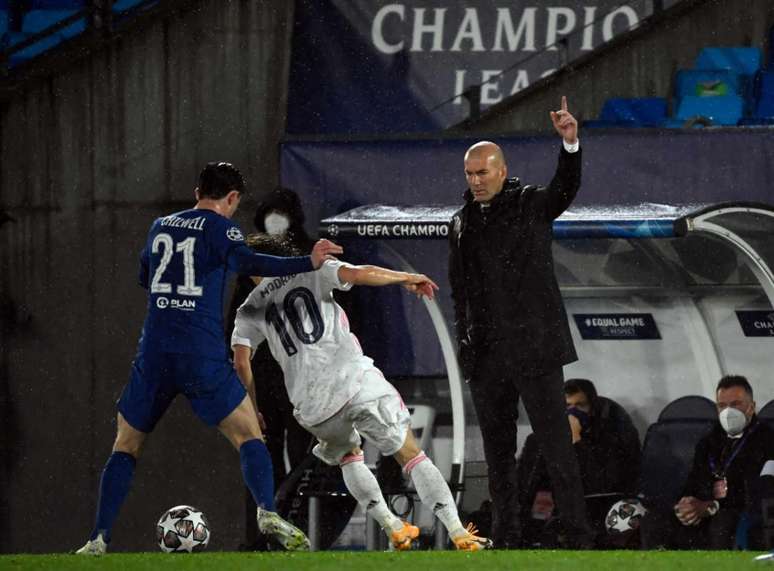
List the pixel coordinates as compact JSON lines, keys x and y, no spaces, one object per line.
{"x":733,"y":421}
{"x":276,"y":223}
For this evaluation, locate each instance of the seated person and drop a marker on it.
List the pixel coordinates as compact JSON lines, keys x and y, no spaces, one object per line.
{"x":608,"y":448}
{"x":723,"y":486}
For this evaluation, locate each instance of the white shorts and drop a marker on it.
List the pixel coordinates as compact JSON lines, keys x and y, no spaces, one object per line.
{"x":376,"y":412}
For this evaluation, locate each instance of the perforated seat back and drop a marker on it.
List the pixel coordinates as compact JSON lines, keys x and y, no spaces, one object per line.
{"x":667,"y":457}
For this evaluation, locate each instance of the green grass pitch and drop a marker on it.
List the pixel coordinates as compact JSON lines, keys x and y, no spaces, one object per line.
{"x":419,"y":560}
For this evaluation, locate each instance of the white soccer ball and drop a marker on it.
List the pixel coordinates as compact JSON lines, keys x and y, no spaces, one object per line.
{"x":182,"y":529}
{"x":624,"y":515}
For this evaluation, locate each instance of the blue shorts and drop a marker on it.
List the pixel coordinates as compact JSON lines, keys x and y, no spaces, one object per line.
{"x":211,"y":386}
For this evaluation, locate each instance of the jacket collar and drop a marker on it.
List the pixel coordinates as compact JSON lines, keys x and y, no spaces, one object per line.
{"x":511,"y":188}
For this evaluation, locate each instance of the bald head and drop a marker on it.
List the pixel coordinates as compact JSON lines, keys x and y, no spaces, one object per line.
{"x":485,"y":170}
{"x":488,"y":151}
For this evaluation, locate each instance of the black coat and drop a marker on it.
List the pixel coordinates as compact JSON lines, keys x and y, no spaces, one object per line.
{"x":608,"y":456}
{"x":502,"y":272}
{"x":743,"y":474}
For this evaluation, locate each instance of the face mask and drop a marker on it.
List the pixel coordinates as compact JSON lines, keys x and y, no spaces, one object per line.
{"x":276,"y":223}
{"x":583,"y":417}
{"x":733,"y":421}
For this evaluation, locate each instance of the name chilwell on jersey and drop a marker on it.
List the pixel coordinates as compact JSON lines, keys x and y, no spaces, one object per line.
{"x":177,"y":222}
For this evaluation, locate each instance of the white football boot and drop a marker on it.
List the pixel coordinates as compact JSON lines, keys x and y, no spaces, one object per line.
{"x":96,"y":546}
{"x":286,"y":534}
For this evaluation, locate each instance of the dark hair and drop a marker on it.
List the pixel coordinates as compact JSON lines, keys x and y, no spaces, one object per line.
{"x":730,"y":381}
{"x":287,"y":202}
{"x":272,"y":245}
{"x":585,"y":386}
{"x":218,"y":179}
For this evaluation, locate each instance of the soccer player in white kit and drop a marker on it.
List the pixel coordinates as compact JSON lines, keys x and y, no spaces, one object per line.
{"x":337,"y":392}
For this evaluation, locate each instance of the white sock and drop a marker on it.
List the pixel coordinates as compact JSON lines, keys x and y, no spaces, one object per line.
{"x":363,"y":486}
{"x":434,"y":492}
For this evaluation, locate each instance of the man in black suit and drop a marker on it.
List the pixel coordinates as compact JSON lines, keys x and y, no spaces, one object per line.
{"x":511,"y":324}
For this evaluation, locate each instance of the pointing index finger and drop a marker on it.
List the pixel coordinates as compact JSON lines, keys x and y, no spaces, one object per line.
{"x":564,"y":103}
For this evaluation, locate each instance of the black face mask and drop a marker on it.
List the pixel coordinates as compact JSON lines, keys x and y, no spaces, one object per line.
{"x":583,"y":417}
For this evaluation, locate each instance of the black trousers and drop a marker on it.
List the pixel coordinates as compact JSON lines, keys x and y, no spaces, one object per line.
{"x":497,"y":382}
{"x":660,"y":529}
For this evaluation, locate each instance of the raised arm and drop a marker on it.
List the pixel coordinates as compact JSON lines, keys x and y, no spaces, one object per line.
{"x":419,"y":284}
{"x":566,"y":182}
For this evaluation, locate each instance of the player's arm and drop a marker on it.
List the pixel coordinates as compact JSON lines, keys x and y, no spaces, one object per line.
{"x":245,"y":373}
{"x":243,"y":260}
{"x":377,"y":276}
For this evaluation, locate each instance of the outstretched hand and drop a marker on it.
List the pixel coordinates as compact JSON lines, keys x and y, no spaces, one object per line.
{"x":421,"y":285}
{"x":565,"y":124}
{"x":324,"y":250}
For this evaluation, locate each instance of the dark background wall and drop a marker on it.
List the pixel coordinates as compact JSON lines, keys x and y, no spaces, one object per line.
{"x":88,"y":157}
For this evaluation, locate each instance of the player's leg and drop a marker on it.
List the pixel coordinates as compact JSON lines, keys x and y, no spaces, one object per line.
{"x":243,"y":431}
{"x":114,"y":485}
{"x":434,"y":492}
{"x":339,"y":444}
{"x":143,"y":402}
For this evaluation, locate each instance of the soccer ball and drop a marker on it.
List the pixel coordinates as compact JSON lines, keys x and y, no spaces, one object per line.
{"x":625,"y":515}
{"x":182,"y":529}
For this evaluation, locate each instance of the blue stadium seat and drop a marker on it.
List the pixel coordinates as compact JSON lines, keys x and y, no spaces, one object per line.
{"x":121,"y":5}
{"x":742,"y":60}
{"x":35,"y":49}
{"x":58,"y":4}
{"x":38,"y":20}
{"x":3,"y":22}
{"x":667,"y":457}
{"x":707,"y":82}
{"x":765,"y":94}
{"x":721,"y":110}
{"x":634,"y":112}
{"x":691,"y":407}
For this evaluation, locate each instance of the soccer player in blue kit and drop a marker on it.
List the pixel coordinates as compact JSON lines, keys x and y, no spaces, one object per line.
{"x":182,"y":349}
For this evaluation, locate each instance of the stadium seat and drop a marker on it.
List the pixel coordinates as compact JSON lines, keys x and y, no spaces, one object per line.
{"x":720,"y":110}
{"x":633,"y":112}
{"x":707,"y":82}
{"x":764,"y":106}
{"x":742,"y":60}
{"x":38,"y":20}
{"x":667,"y":457}
{"x":692,"y":407}
{"x":767,"y":411}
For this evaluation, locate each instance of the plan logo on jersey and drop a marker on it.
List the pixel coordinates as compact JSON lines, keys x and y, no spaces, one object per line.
{"x":183,"y":304}
{"x":234,"y":234}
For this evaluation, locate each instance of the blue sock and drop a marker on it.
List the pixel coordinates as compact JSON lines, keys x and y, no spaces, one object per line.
{"x":258,"y":472}
{"x":113,"y":488}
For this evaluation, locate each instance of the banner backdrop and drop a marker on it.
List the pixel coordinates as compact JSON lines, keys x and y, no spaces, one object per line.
{"x":379,"y":66}
{"x":622,"y":167}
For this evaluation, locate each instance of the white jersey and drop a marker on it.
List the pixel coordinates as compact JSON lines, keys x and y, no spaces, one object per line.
{"x":308,"y":334}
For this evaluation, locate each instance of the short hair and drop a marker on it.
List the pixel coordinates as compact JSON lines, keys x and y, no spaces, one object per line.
{"x":272,"y":245}
{"x":730,"y":381}
{"x":585,"y":386}
{"x":217,"y":179}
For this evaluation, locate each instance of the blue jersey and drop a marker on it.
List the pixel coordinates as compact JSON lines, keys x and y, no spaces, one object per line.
{"x":184,"y":266}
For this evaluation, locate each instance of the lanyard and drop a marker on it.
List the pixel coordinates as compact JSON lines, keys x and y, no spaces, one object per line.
{"x":733,"y":455}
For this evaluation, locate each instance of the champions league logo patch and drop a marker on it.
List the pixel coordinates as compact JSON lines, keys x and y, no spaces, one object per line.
{"x":333,"y":230}
{"x":234,"y":234}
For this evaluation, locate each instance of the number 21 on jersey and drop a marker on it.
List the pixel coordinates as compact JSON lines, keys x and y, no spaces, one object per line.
{"x":166,"y":245}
